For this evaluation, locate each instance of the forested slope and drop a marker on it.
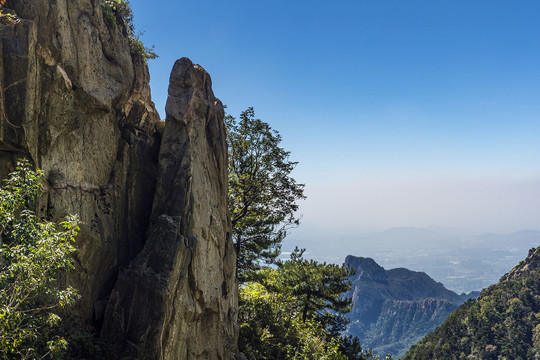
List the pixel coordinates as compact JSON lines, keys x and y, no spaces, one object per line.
{"x":504,"y":323}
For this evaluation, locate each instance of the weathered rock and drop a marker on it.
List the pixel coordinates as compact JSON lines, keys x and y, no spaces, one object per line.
{"x":187,"y":263}
{"x":75,"y":101}
{"x":239,"y":356}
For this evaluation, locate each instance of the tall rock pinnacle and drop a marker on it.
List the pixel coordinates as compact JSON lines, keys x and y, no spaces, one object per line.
{"x":177,"y":300}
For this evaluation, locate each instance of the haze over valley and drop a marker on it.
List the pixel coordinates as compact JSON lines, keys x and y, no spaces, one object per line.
{"x":462,"y":262}
{"x":398,"y":114}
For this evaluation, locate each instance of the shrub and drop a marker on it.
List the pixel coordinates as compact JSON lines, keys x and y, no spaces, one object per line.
{"x":118,"y":13}
{"x":33,"y":254}
{"x":7,"y":18}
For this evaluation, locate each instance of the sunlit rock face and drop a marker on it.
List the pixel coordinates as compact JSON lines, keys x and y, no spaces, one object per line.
{"x":78,"y":105}
{"x":76,"y":102}
{"x":187,"y":263}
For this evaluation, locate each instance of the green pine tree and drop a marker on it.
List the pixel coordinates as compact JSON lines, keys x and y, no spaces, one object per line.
{"x":262,"y":194}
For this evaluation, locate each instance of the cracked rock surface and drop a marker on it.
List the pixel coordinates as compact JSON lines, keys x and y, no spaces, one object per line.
{"x":155,"y":264}
{"x":187,"y":263}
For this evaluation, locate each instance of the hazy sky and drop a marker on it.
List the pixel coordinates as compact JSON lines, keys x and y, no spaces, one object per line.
{"x":400,"y":113}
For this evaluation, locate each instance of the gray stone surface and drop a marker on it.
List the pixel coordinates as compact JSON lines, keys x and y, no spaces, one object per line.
{"x":77,"y":103}
{"x":187,"y":263}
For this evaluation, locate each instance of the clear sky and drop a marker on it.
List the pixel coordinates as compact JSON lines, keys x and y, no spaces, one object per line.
{"x":400,"y":113}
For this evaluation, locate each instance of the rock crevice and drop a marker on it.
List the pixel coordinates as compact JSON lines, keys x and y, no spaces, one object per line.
{"x":155,"y":265}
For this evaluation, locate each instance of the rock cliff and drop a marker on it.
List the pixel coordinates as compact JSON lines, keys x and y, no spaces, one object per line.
{"x":155,"y":263}
{"x":393,"y":309}
{"x":185,"y":266}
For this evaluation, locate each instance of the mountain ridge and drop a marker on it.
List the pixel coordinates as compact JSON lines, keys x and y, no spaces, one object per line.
{"x":503,"y":323}
{"x":393,"y":309}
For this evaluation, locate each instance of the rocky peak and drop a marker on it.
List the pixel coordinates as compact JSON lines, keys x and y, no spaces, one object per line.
{"x":187,"y":265}
{"x":155,"y":263}
{"x":393,"y":308}
{"x":528,"y":264}
{"x":366,"y":269}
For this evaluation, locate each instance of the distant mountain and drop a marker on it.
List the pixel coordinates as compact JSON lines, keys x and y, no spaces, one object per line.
{"x":393,"y":309}
{"x":504,"y":323}
{"x":462,"y":262}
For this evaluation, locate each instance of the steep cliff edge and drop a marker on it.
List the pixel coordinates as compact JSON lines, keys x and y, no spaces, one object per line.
{"x":75,"y":101}
{"x":393,"y":309}
{"x":185,"y":266}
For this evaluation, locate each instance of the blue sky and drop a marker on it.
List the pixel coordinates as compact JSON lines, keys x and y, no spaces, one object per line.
{"x":400,"y":113}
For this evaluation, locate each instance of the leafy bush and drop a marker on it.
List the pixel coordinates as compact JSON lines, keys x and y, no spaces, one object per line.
{"x":7,"y":18}
{"x":118,"y":13}
{"x":33,"y":253}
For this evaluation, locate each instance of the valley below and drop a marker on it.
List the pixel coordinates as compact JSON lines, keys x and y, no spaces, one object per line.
{"x":462,"y":262}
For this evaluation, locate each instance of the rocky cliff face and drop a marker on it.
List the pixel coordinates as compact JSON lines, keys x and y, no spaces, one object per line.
{"x":155,"y":264}
{"x":393,"y":309}
{"x":186,"y":265}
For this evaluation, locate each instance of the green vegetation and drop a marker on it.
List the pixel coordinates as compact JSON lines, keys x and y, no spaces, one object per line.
{"x":7,"y":18}
{"x":33,"y":255}
{"x":504,"y":323}
{"x":295,"y":311}
{"x":118,"y":13}
{"x":288,"y":309}
{"x":262,"y":194}
{"x":317,"y":289}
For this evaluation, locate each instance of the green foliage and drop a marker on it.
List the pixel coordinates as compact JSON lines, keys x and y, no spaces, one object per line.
{"x":294,"y":310}
{"x":7,"y":17}
{"x":118,"y":13}
{"x":280,"y":318}
{"x":33,"y":253}
{"x":317,"y":288}
{"x":503,"y":323}
{"x":262,"y":194}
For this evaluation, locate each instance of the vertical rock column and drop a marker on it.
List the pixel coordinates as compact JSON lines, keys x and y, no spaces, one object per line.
{"x":178,"y":297}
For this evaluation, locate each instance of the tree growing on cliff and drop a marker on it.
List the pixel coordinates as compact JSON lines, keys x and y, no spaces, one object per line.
{"x":262,"y":195}
{"x":118,"y":12}
{"x":32,"y":255}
